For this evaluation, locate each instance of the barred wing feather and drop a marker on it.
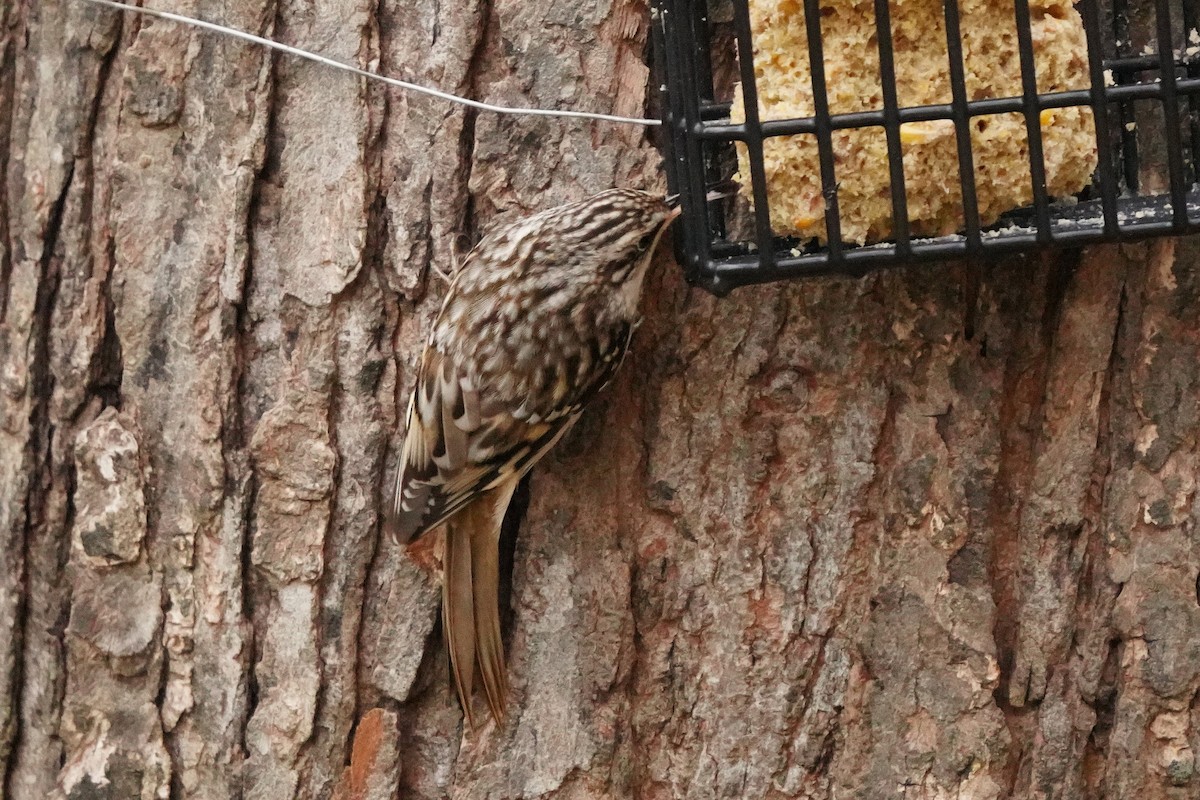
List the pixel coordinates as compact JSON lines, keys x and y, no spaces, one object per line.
{"x":459,"y":444}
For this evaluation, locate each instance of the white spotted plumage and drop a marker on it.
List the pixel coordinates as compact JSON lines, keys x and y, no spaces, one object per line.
{"x":536,"y":321}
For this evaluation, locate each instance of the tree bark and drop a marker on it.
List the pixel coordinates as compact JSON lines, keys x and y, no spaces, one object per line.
{"x":813,"y":542}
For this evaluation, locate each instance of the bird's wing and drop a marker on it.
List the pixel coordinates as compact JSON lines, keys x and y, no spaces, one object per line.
{"x":457,"y":446}
{"x":461,"y":442}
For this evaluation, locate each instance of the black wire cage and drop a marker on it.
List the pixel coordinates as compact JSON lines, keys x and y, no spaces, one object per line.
{"x":1142,"y":60}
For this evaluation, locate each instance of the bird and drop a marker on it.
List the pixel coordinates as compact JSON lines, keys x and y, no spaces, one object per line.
{"x":535,"y":322}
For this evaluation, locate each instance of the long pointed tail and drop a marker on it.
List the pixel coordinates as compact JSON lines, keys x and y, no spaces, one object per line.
{"x":470,"y":602}
{"x":458,"y":606}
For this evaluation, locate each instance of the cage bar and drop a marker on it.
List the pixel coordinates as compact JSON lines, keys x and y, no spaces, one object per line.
{"x":961,"y":114}
{"x":823,"y":126}
{"x":1170,"y":107}
{"x":753,"y":136}
{"x":1033,"y":122}
{"x":891,"y":127}
{"x":1106,"y":176}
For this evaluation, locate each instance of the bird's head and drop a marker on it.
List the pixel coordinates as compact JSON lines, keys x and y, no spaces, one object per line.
{"x":607,"y":239}
{"x":614,"y":234}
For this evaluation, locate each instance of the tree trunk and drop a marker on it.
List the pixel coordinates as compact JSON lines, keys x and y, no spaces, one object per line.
{"x":812,"y":543}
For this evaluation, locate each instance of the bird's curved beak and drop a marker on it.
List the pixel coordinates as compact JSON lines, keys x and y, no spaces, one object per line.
{"x":726,"y":188}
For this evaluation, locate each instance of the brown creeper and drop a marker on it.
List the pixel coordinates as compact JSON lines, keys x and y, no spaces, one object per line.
{"x":536,"y":321}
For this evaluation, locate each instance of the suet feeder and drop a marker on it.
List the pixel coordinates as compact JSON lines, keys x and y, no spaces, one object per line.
{"x":872,"y":133}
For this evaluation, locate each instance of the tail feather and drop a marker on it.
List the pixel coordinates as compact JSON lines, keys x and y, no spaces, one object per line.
{"x":458,"y":611}
{"x":489,"y":649}
{"x":470,"y":600}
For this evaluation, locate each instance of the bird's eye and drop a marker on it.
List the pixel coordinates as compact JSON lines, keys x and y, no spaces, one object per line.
{"x":645,"y":241}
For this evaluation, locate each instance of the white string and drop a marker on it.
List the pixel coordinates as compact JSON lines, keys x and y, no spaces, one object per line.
{"x":329,"y":62}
